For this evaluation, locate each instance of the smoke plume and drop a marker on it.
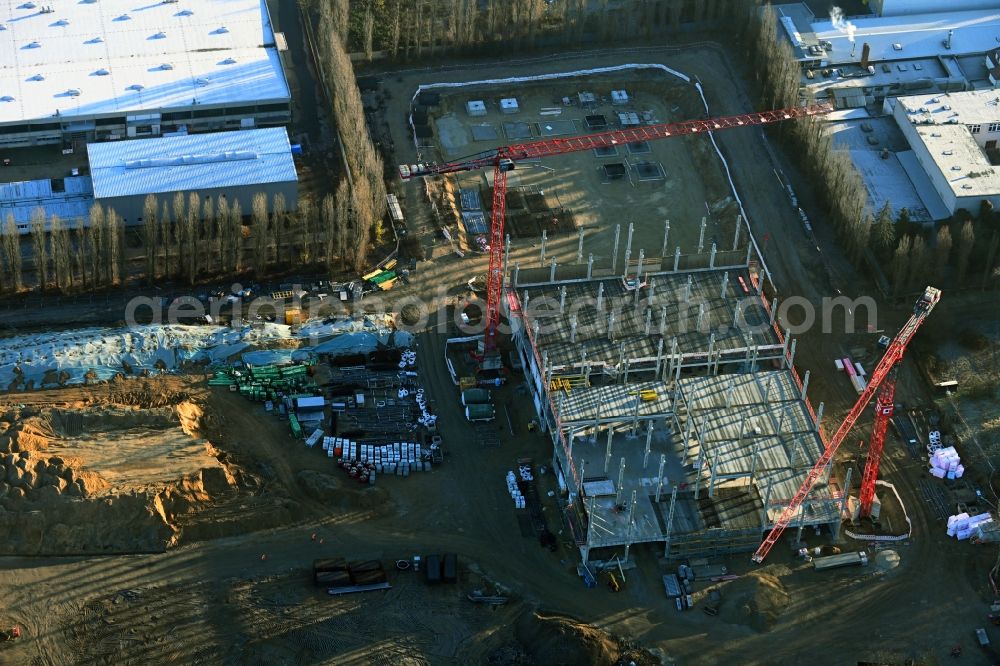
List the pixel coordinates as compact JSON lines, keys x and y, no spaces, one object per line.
{"x":841,"y":23}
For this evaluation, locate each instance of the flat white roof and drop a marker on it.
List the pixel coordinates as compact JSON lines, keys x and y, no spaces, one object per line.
{"x":942,"y":123}
{"x":191,"y":163}
{"x":122,"y":56}
{"x":919,"y":35}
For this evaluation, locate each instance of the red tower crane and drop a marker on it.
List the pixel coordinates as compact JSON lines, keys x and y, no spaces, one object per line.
{"x":503,"y":160}
{"x":878,"y":377}
{"x":883,"y":413}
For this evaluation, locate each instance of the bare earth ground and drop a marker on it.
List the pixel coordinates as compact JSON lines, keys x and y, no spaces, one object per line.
{"x":233,"y":586}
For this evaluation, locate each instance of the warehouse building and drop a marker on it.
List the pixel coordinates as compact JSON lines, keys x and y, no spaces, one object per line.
{"x":230,"y":165}
{"x":954,"y":139}
{"x":670,"y":397}
{"x":76,"y":72}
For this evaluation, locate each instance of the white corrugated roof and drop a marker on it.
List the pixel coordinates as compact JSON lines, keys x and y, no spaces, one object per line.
{"x":22,"y":198}
{"x":215,"y":51}
{"x":191,"y":163}
{"x":920,"y":35}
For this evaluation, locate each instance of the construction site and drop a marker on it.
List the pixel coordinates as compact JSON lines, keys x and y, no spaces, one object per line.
{"x":602,"y":441}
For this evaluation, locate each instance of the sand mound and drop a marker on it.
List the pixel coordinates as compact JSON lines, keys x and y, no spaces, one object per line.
{"x":344,"y":492}
{"x":557,"y":639}
{"x":757,"y":599}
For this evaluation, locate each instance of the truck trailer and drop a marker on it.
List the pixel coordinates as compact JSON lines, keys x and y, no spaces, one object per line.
{"x":858,"y":558}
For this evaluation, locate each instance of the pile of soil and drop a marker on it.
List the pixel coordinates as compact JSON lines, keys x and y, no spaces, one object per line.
{"x":557,"y":639}
{"x":757,"y":599}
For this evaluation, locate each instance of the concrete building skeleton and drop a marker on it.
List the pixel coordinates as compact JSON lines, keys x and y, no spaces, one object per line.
{"x":674,"y":410}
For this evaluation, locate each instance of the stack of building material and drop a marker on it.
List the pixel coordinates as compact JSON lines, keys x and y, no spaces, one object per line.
{"x":515,"y":492}
{"x":946,"y":463}
{"x":854,"y":372}
{"x":962,"y":526}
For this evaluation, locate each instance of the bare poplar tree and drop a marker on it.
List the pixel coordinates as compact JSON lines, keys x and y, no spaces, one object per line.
{"x":96,"y":222}
{"x":329,"y":221}
{"x":80,"y":251}
{"x":59,"y":248}
{"x":150,"y":228}
{"x":236,"y":232}
{"x":116,"y":247}
{"x":966,"y":241}
{"x":225,"y":239}
{"x":39,"y":250}
{"x":306,"y":215}
{"x":167,"y":238}
{"x":192,"y":250}
{"x":278,"y":225}
{"x":11,"y":250}
{"x":942,"y":251}
{"x":260,"y":234}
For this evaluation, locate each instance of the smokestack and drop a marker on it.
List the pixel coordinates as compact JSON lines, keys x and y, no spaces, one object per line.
{"x":866,"y":51}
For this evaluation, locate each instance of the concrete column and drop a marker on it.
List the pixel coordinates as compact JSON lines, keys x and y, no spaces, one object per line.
{"x":517,"y":273}
{"x":666,"y":239}
{"x":628,"y":248}
{"x":753,"y":458}
{"x":760,"y":284}
{"x":700,"y":466}
{"x":711,"y":481}
{"x":631,"y":525}
{"x":545,"y":237}
{"x":590,"y":265}
{"x":774,"y":310}
{"x":663,"y":320}
{"x":725,"y":284}
{"x":649,"y":443}
{"x":687,"y":289}
{"x":600,"y":297}
{"x":729,"y":397}
{"x":614,"y":252}
{"x":535,"y":325}
{"x":701,"y":236}
{"x":700,"y":320}
{"x":651,"y":291}
{"x":572,"y":328}
{"x":670,"y":522}
{"x":638,"y":270}
{"x":711,"y":349}
{"x":749,"y":253}
{"x":611,"y":325}
{"x":805,"y":384}
{"x":711,"y":256}
{"x":791,"y":354}
{"x":819,"y":415}
{"x":767,"y":502}
{"x":659,"y":356}
{"x":524,"y":302}
{"x":562,"y":299}
{"x":552,"y":271}
{"x":659,"y":476}
{"x":579,"y":247}
{"x":607,"y":450}
{"x":621,"y":481}
{"x":736,"y":236}
{"x":677,"y":258}
{"x":649,"y":321}
{"x":628,"y":367}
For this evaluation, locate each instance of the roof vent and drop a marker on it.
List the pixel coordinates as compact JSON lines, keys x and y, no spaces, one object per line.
{"x":6,"y":98}
{"x":124,"y":17}
{"x":136,"y":86}
{"x":28,"y":5}
{"x":37,"y":77}
{"x":936,"y":135}
{"x":159,"y":35}
{"x":228,"y":61}
{"x":166,"y":65}
{"x":74,"y":92}
{"x":32,"y":45}
{"x":95,"y":40}
{"x":184,"y":12}
{"x":966,"y":187}
{"x":169,"y":2}
{"x":101,"y":72}
{"x":201,"y":81}
{"x":923,"y":109}
{"x":62,"y":21}
{"x":946,"y":107}
{"x":956,"y":168}
{"x":949,"y":152}
{"x":221,"y":30}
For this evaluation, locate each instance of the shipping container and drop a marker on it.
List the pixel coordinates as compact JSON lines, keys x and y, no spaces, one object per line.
{"x":449,"y":568}
{"x":432,"y":568}
{"x":480,"y":413}
{"x":842,"y":560}
{"x":476,"y":396}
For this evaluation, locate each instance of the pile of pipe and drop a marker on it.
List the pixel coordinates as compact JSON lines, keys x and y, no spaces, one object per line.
{"x":408,"y":360}
{"x":945,"y":462}
{"x":515,"y":492}
{"x":426,"y":418}
{"x":962,"y":526}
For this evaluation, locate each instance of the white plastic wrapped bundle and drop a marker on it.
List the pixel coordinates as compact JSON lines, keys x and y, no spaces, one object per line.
{"x":959,"y":471}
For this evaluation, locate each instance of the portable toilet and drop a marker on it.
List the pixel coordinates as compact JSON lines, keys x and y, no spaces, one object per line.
{"x":509,"y":105}
{"x":475,"y":107}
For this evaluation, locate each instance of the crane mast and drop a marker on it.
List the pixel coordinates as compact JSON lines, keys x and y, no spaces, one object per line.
{"x":503,"y":159}
{"x":923,"y":307}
